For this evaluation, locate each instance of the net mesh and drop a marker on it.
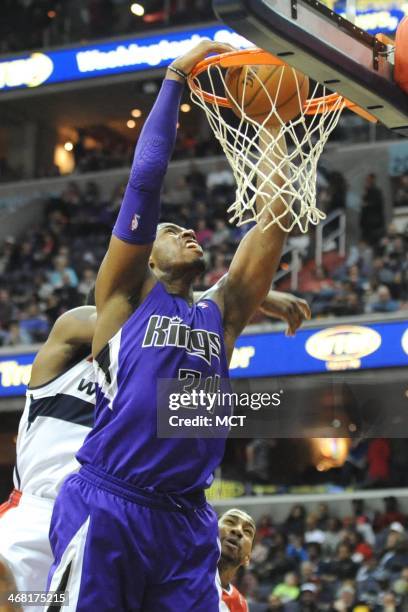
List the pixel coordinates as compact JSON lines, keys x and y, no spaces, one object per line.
{"x":257,"y":154}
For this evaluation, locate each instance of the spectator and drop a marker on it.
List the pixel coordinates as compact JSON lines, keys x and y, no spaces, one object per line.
{"x":401,"y":194}
{"x":34,"y":324}
{"x":332,"y":536}
{"x":372,"y":212}
{"x":295,"y":523}
{"x":87,"y":281}
{"x":378,"y":458}
{"x":342,"y":567}
{"x":296,"y":548}
{"x":222,"y":234}
{"x":15,"y":335}
{"x":313,"y":533}
{"x":6,"y":307}
{"x":220,"y":178}
{"x":308,"y":597}
{"x":383,"y":302}
{"x":218,"y":270}
{"x":345,"y":599}
{"x":204,"y":233}
{"x":288,"y":590}
{"x":62,"y":273}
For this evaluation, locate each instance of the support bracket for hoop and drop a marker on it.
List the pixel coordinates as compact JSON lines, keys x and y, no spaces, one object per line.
{"x":378,"y":48}
{"x":293,"y":5}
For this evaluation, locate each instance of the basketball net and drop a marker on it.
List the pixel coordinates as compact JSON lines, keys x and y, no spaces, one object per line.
{"x":255,"y":153}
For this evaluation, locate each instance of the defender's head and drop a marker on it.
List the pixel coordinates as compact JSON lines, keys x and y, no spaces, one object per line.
{"x":237,"y":531}
{"x":176,"y":252}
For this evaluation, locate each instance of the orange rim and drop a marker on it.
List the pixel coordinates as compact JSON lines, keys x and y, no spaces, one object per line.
{"x":256,"y":57}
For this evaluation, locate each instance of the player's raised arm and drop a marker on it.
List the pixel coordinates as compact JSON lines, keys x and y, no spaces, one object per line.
{"x":254,"y":264}
{"x":125,"y":266}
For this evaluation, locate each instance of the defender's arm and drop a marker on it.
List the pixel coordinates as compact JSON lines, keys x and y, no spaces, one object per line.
{"x":71,"y":332}
{"x":277,"y":304}
{"x":287,"y":307}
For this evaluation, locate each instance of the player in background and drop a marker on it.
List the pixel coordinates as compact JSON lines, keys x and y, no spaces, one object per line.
{"x":58,"y":414}
{"x":137,"y":506}
{"x":237,"y":531}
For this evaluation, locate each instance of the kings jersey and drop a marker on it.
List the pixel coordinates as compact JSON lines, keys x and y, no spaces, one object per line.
{"x":164,"y":339}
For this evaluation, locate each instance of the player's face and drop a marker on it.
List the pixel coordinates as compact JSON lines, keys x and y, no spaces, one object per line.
{"x":237,"y":532}
{"x":176,"y":246}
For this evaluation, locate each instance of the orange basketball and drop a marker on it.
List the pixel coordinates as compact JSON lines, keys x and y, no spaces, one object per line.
{"x":244,"y":85}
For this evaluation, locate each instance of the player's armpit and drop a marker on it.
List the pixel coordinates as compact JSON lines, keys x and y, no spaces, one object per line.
{"x":75,"y":327}
{"x":71,"y":334}
{"x":122,"y":271}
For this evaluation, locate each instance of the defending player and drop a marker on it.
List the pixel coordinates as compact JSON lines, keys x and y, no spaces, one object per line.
{"x":58,"y":414}
{"x":237,"y":531}
{"x":132,"y":530}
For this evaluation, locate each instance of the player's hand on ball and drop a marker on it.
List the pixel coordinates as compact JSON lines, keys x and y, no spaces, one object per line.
{"x":186,"y":62}
{"x":288,"y":308}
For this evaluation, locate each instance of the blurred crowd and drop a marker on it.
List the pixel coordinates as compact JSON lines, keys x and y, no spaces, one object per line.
{"x":316,"y":562}
{"x":30,"y":24}
{"x":373,"y":277}
{"x":51,"y":268}
{"x":367,"y":463}
{"x":95,"y":150}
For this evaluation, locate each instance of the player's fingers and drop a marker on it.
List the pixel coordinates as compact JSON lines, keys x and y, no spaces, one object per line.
{"x":217,"y":46}
{"x":295,"y":318}
{"x":305,"y":308}
{"x":297,"y":321}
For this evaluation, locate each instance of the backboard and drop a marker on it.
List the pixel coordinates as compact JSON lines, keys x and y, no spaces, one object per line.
{"x":309,"y":36}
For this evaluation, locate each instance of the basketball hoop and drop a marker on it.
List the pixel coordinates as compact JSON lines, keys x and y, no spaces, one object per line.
{"x":255,"y":152}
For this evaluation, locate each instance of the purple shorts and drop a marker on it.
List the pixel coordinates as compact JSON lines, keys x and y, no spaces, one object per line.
{"x":118,"y":548}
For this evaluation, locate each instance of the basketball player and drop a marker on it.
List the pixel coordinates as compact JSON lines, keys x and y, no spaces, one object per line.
{"x":237,"y":531}
{"x":57,"y":416}
{"x":132,"y":530}
{"x":23,"y":540}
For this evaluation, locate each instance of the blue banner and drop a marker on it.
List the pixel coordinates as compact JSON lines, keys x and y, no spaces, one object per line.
{"x":311,"y":351}
{"x":108,"y":58}
{"x":382,"y":18}
{"x":15,"y":372}
{"x":101,"y":59}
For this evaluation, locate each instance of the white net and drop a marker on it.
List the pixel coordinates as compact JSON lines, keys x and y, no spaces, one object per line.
{"x":264,"y":168}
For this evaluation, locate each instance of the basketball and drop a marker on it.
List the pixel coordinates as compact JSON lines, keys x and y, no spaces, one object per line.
{"x":245,"y":90}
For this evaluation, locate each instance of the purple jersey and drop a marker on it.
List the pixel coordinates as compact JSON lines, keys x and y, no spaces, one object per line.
{"x":164,"y":338}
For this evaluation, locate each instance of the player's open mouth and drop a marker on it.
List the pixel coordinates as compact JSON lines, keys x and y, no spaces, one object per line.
{"x":192,"y":244}
{"x":232,"y":543}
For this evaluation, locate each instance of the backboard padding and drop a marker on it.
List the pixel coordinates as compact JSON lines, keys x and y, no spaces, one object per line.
{"x":328,"y":48}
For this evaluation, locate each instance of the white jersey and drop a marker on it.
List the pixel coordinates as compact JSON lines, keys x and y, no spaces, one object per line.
{"x":56,"y":419}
